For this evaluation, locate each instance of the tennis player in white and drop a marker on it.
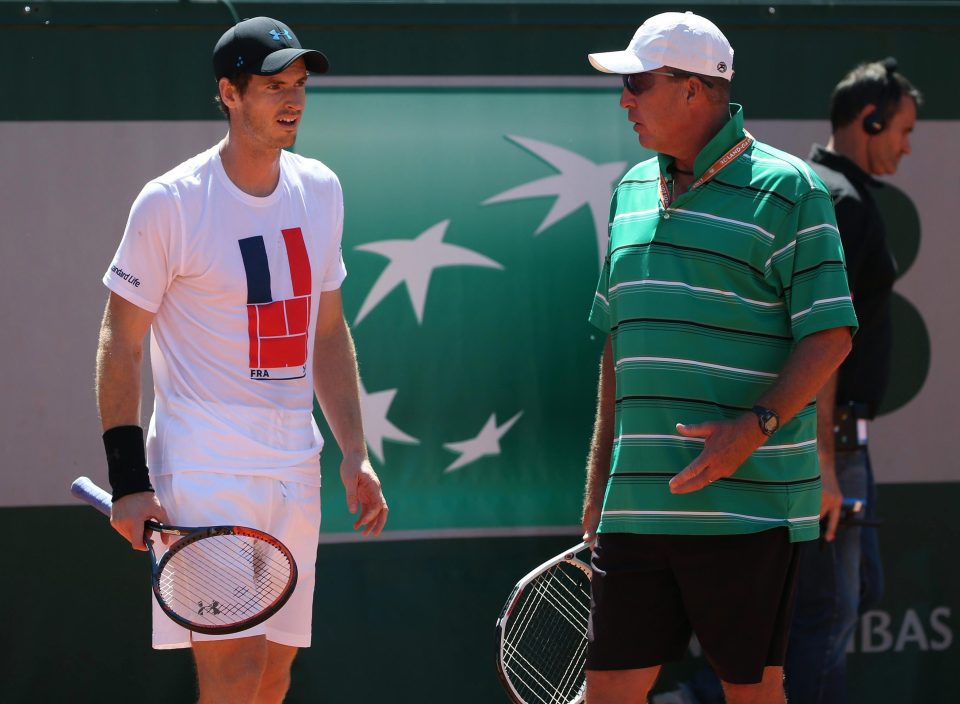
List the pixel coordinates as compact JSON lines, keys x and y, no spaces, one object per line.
{"x":232,"y":260}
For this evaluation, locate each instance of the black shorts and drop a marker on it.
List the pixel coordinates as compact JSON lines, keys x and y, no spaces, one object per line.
{"x":650,"y":592}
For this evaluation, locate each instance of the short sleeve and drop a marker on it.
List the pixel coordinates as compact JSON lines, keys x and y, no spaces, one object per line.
{"x":808,"y":265}
{"x":145,"y":262}
{"x":336,"y":270}
{"x":600,"y":310}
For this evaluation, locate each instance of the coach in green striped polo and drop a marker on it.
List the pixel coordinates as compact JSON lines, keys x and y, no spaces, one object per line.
{"x":725,"y":301}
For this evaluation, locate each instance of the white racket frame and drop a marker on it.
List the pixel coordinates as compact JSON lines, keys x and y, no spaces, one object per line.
{"x":568,"y":556}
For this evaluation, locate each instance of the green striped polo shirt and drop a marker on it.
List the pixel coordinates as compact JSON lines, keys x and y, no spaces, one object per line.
{"x":704,"y":302}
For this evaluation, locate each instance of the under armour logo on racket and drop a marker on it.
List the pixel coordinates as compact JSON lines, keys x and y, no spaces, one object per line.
{"x":276,"y":35}
{"x":211,"y":560}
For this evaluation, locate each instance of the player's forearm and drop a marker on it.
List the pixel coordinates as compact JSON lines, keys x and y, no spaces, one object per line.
{"x":811,"y":364}
{"x":601,"y":445}
{"x":336,"y":384}
{"x":118,"y":380}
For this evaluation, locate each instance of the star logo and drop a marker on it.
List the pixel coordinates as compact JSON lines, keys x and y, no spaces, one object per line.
{"x":412,"y":263}
{"x":580,"y":182}
{"x":487,"y":442}
{"x":376,"y":427}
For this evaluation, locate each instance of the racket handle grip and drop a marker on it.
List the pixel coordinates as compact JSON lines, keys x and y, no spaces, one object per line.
{"x":85,"y":490}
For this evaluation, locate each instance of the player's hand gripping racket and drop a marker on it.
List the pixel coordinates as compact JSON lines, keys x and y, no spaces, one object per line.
{"x":216,"y":580}
{"x":542,"y":633}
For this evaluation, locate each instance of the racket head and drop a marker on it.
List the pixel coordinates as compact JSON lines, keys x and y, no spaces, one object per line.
{"x":542,"y":633}
{"x":245,"y":575}
{"x":222,"y":579}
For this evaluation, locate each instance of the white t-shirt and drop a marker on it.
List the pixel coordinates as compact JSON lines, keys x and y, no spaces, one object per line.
{"x":234,"y":281}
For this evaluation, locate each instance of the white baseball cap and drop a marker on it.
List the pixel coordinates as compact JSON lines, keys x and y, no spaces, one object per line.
{"x":680,"y":40}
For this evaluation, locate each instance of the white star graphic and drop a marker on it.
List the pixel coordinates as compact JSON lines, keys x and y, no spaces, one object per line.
{"x":580,"y":182}
{"x":412,"y":263}
{"x":486,"y":443}
{"x":376,"y":426}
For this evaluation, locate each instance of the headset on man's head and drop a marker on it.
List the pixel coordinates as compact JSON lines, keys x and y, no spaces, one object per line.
{"x":890,"y":91}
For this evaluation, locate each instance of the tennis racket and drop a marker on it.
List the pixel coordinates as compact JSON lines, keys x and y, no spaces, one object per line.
{"x":542,"y":633}
{"x":215,"y":580}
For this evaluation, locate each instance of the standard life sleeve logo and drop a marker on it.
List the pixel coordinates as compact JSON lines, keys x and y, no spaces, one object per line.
{"x":126,"y":276}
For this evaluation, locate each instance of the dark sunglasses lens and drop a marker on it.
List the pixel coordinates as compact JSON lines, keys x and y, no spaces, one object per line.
{"x":630,"y":84}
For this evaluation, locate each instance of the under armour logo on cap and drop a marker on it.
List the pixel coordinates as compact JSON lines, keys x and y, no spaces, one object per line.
{"x":264,"y":47}
{"x":722,"y":67}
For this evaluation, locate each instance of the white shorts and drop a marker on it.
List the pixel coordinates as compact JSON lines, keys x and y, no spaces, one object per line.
{"x":290,"y":511}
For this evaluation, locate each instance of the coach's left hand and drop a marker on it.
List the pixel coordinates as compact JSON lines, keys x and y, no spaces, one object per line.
{"x":727,"y":445}
{"x":364,"y":493}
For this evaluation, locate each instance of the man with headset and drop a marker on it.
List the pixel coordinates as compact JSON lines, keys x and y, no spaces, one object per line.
{"x":872,"y":113}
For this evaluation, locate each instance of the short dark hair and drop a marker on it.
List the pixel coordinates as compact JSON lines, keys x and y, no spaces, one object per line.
{"x":240,"y":81}
{"x":877,"y":83}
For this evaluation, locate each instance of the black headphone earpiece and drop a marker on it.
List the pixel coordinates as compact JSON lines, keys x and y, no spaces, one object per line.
{"x":874,"y":123}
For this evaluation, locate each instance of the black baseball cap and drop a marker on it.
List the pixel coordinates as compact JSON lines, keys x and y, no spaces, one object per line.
{"x":262,"y":46}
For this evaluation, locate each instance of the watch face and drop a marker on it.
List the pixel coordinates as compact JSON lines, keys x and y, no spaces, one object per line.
{"x":770,"y":423}
{"x":769,"y":420}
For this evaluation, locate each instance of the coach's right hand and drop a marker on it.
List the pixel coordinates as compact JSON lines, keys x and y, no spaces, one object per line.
{"x":129,"y":513}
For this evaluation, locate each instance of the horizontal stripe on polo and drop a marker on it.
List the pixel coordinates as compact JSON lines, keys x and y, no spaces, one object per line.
{"x":704,"y":302}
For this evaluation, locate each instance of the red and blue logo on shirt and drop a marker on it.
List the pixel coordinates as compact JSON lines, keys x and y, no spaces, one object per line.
{"x":278,"y":329}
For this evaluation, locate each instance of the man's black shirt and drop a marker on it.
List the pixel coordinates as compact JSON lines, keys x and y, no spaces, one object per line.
{"x":871,"y":271}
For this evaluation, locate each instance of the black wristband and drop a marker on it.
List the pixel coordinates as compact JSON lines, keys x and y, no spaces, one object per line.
{"x":126,"y":460}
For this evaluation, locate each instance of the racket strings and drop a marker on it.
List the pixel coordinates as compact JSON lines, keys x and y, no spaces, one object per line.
{"x":222,"y":579}
{"x":213,"y":590}
{"x":214,"y":553}
{"x":544,"y":650}
{"x":546,"y":683}
{"x":181,"y":584}
{"x":563,"y":593}
{"x":214,"y":557}
{"x":192,"y":594}
{"x":572,"y":607}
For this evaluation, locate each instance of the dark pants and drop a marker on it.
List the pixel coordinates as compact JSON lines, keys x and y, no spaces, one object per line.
{"x":838,"y":582}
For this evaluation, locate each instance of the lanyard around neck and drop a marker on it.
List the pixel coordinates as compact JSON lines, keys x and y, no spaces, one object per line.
{"x":736,"y":150}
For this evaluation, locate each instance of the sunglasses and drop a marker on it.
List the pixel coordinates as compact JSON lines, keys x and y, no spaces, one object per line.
{"x":636,"y":84}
